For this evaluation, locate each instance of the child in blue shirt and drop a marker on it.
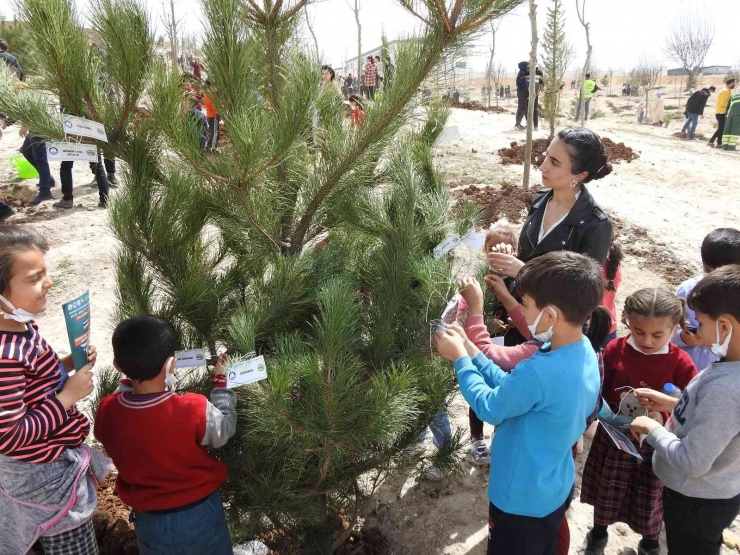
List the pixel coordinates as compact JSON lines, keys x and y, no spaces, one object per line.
{"x":541,"y":407}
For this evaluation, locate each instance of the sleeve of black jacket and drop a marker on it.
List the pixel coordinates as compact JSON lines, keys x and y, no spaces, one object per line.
{"x":598,"y":237}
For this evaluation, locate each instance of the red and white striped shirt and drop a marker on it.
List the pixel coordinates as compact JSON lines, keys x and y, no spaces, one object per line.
{"x":34,"y":427}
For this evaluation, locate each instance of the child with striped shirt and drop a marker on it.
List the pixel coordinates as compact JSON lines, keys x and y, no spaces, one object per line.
{"x":48,"y":478}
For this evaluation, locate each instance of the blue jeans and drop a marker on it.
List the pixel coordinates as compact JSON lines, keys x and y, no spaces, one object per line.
{"x":194,"y":531}
{"x":693,"y":120}
{"x":587,"y":107}
{"x":34,"y":150}
{"x":441,"y":429}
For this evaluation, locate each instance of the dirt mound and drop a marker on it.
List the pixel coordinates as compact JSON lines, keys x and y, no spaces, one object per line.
{"x":114,"y":533}
{"x":467,"y":105}
{"x":617,"y":152}
{"x":509,"y":201}
{"x":368,"y":541}
{"x":658,"y":257}
{"x":17,"y":195}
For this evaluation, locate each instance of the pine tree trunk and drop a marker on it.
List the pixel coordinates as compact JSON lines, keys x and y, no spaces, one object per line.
{"x":359,"y":44}
{"x":532,"y":92}
{"x":173,"y":35}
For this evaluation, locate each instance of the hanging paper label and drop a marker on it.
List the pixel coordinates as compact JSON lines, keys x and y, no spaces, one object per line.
{"x":77,"y":318}
{"x":191,"y":358}
{"x":449,"y":134}
{"x":450,"y":312}
{"x":62,"y":152}
{"x":72,"y":125}
{"x":621,"y":441}
{"x":447,"y":244}
{"x":249,"y":371}
{"x":473,"y":240}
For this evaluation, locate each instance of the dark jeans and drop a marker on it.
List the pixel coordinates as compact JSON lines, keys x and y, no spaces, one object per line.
{"x":34,"y":150}
{"x":524,"y":535}
{"x":108,"y":167}
{"x":109,"y":163}
{"x":721,"y":118}
{"x":200,"y":528}
{"x":370,"y":92}
{"x":213,"y":132}
{"x":694,"y":526}
{"x":476,"y":425}
{"x":523,"y":105}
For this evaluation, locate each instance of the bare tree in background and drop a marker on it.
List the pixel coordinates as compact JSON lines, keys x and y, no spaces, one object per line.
{"x":557,"y":56}
{"x":356,"y":11}
{"x":489,"y":66}
{"x":532,"y":92}
{"x":172,"y":25}
{"x":581,"y":11}
{"x":309,"y":24}
{"x":688,"y":43}
{"x":647,"y":75}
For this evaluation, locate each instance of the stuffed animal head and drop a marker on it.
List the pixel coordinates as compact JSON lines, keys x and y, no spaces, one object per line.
{"x":630,"y":406}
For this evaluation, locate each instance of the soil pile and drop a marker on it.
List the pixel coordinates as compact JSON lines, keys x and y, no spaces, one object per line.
{"x":467,"y":105}
{"x":509,"y":201}
{"x":114,"y":533}
{"x":617,"y":152}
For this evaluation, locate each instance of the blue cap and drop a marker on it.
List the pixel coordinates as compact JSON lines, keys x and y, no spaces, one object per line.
{"x":669,"y":389}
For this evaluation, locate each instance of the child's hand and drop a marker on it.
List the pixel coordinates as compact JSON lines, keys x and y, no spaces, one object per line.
{"x":449,"y":345}
{"x":473,"y":295}
{"x":92,"y":355}
{"x":643,"y":425}
{"x":470,"y":347}
{"x":503,"y":248}
{"x":652,"y":400}
{"x":691,"y":339}
{"x":657,"y":416}
{"x":498,"y":286}
{"x":221,"y":362}
{"x":78,"y":386}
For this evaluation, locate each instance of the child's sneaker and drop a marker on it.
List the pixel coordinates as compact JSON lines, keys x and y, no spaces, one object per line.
{"x":479,"y":453}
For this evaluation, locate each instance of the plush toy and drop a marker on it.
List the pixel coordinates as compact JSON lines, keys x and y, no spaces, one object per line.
{"x":629,"y":406}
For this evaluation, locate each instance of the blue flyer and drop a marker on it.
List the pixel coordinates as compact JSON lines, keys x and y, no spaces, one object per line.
{"x":77,"y":318}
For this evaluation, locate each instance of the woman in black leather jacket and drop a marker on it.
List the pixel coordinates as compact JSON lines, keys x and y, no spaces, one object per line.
{"x":564,"y":216}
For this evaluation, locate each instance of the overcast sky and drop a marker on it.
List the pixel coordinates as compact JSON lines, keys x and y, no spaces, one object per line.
{"x":621,"y":31}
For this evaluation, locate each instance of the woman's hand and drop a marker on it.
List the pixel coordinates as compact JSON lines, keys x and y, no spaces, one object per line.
{"x":473,"y":294}
{"x":506,"y":264}
{"x":652,"y":400}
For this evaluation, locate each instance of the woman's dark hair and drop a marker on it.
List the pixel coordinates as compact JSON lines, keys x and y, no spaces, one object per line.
{"x":598,"y":327}
{"x":655,"y":303}
{"x":330,"y":70}
{"x":357,"y":100}
{"x":15,"y":239}
{"x":586,"y":153}
{"x":613,"y":261}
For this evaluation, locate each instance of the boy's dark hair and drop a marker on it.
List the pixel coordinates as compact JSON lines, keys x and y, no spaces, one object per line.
{"x":730,"y":81}
{"x":655,"y":303}
{"x":718,"y":293}
{"x":568,"y":280}
{"x":586,"y":153}
{"x":712,"y":88}
{"x":613,"y":261}
{"x":3,"y":45}
{"x":142,"y":344}
{"x":588,"y":76}
{"x":15,"y":239}
{"x":720,"y":248}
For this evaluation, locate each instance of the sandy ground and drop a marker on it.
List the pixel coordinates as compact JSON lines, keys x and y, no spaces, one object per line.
{"x":677,"y":190}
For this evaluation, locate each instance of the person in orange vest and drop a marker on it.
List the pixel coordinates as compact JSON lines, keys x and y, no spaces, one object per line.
{"x":211,"y":117}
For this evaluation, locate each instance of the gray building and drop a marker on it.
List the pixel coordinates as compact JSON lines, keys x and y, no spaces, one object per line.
{"x":706,"y":70}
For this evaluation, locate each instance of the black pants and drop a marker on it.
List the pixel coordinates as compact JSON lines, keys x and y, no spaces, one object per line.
{"x":523,"y":104}
{"x":101,"y":171}
{"x":524,"y":535}
{"x":370,"y":92}
{"x":694,"y":526}
{"x":110,"y":166}
{"x":212,"y":132}
{"x":721,"y":118}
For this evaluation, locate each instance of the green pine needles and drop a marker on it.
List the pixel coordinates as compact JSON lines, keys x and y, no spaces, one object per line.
{"x":558,"y":55}
{"x":299,"y":239}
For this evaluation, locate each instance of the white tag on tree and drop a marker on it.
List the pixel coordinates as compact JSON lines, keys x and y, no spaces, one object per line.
{"x":244,"y":373}
{"x":62,"y":152}
{"x":73,"y":125}
{"x":474,"y":240}
{"x":450,"y":312}
{"x":449,"y":134}
{"x":191,"y":358}
{"x":447,"y":244}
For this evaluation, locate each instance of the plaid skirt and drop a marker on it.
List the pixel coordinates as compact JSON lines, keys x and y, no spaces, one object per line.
{"x":622,"y":488}
{"x":80,"y":541}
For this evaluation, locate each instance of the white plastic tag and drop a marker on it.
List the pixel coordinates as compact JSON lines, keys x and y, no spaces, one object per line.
{"x":73,"y":125}
{"x":447,"y":244}
{"x":61,"y":152}
{"x":449,"y":134}
{"x":191,"y":358}
{"x":473,"y":240}
{"x":450,"y":312}
{"x":249,"y":371}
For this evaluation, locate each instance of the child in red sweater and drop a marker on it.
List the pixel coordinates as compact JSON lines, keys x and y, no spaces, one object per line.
{"x":620,"y":487}
{"x":157,"y":440}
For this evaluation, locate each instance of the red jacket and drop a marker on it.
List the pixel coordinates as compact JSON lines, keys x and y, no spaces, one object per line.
{"x":155,"y":443}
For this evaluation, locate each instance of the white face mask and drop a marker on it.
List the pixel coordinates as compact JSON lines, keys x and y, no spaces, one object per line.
{"x":170,"y":380}
{"x":720,"y":350}
{"x":546,"y":335}
{"x":18,"y":314}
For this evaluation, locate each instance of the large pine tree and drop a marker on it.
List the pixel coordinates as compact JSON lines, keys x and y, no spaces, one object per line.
{"x":300,"y":239}
{"x":557,"y":56}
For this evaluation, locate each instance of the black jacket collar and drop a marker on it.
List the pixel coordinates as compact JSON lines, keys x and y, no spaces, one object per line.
{"x":578,"y":215}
